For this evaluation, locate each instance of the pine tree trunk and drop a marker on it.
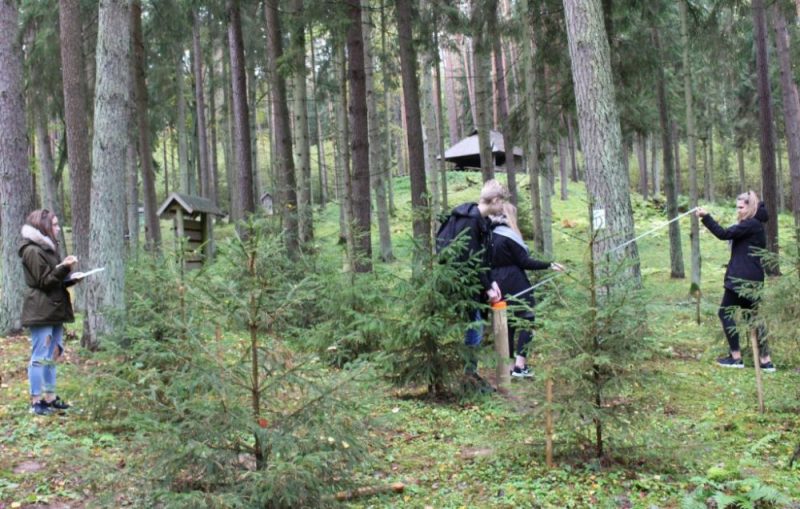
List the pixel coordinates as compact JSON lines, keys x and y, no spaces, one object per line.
{"x":468,"y":72}
{"x":437,"y":99}
{"x":676,"y":142}
{"x":547,"y":202}
{"x":386,"y":162}
{"x":740,"y":163}
{"x":50,"y":198}
{"x":230,"y":158}
{"x":675,"y":248}
{"x":254,"y":129}
{"x":286,"y":194}
{"x":431,"y":146}
{"x":532,"y":110}
{"x":562,"y":167}
{"x":301,"y":138}
{"x":377,"y":179}
{"x":450,"y":98}
{"x":200,"y":105}
{"x":483,"y":90}
{"x":408,"y":64}
{"x":187,"y":182}
{"x":152,"y":224}
{"x":766,"y":147}
{"x":320,"y":138}
{"x":599,"y":128}
{"x":132,"y":193}
{"x":691,"y":136}
{"x":105,"y":296}
{"x":76,"y":105}
{"x":212,"y":131}
{"x":572,"y":159}
{"x":359,"y":139}
{"x":16,"y":191}
{"x":654,"y":167}
{"x":641,"y":154}
{"x":241,"y":118}
{"x":791,"y":110}
{"x":505,"y":122}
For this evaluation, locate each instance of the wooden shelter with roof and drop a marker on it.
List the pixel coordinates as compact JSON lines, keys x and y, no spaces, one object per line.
{"x":192,"y":216}
{"x":466,"y":153}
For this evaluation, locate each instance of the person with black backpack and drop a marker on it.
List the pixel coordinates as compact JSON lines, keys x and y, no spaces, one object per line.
{"x":472,"y":221}
{"x":510,"y":258}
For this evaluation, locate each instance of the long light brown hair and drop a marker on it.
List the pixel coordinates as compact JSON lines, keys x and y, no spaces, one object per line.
{"x":42,"y":220}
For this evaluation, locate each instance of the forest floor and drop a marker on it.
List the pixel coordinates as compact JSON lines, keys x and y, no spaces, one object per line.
{"x":693,"y":436}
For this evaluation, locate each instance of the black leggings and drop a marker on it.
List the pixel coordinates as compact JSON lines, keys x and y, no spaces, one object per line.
{"x":524,"y":333}
{"x":730,"y":301}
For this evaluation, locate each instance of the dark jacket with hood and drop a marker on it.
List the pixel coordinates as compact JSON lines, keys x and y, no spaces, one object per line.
{"x":47,"y":301}
{"x":476,"y":228}
{"x":510,"y":258}
{"x":744,"y":237}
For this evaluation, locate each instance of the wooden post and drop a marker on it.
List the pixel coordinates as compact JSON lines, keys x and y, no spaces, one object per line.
{"x":757,"y":364}
{"x":548,"y":423}
{"x":500,"y":329}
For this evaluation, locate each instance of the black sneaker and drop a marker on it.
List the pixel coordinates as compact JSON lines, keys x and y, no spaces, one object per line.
{"x":730,"y":362}
{"x":768,"y":367}
{"x":41,"y":408}
{"x":518,"y":372}
{"x":58,"y":404}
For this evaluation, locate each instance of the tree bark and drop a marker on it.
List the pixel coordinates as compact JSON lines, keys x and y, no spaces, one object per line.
{"x":481,"y":11}
{"x":187,"y":182}
{"x":791,"y":110}
{"x":562,"y":167}
{"x":675,"y":248}
{"x":320,"y":138}
{"x":450,"y":97}
{"x":766,"y":147}
{"x":152,"y":225}
{"x":437,"y":95}
{"x":213,"y":168}
{"x":377,"y":179}
{"x":641,"y":154}
{"x":286,"y":193}
{"x":654,"y":167}
{"x":76,"y":105}
{"x":49,"y":184}
{"x":572,"y":158}
{"x":599,"y":128}
{"x":505,"y":122}
{"x":241,"y":118}
{"x":532,"y":110}
{"x":429,"y":125}
{"x":694,"y":234}
{"x":302,"y":145}
{"x":359,"y":139}
{"x":408,"y":65}
{"x":105,"y":296}
{"x":200,"y":106}
{"x":676,"y":142}
{"x":16,"y":191}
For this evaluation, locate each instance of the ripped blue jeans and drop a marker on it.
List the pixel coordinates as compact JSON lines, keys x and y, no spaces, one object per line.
{"x":45,"y":339}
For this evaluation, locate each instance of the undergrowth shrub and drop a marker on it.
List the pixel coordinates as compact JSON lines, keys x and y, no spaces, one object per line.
{"x":240,"y":420}
{"x":592,"y":347}
{"x":425,"y":345}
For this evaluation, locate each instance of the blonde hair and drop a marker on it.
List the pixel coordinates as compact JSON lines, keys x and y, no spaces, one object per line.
{"x":510,"y":214}
{"x":493,"y":189}
{"x":750,"y":199}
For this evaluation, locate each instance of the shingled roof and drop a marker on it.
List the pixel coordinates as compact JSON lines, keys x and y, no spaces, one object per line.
{"x":466,"y":153}
{"x":190,"y":204}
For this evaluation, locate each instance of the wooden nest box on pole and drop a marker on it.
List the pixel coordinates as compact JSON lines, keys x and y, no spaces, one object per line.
{"x":192,"y":216}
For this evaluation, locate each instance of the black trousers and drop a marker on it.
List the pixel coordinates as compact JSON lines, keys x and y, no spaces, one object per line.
{"x":727,"y":308}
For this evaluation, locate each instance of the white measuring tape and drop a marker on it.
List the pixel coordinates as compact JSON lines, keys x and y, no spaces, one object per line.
{"x":645,"y":234}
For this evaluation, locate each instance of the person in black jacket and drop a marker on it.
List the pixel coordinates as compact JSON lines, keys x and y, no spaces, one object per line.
{"x":744,"y":268}
{"x":46,"y":306}
{"x":472,"y":220}
{"x":510,"y":258}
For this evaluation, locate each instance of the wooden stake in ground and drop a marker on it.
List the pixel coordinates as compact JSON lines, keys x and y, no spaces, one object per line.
{"x":757,"y":364}
{"x":500,"y":329}
{"x":548,"y":423}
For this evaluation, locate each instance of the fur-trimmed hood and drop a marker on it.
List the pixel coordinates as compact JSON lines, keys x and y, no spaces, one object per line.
{"x":31,"y":234}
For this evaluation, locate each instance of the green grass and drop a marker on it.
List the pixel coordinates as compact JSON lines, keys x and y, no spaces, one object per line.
{"x":691,"y":424}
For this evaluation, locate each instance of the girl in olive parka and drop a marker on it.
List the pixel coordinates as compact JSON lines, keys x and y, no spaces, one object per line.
{"x":46,"y":306}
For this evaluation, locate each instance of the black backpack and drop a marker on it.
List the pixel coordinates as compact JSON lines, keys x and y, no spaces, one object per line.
{"x":456,"y":226}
